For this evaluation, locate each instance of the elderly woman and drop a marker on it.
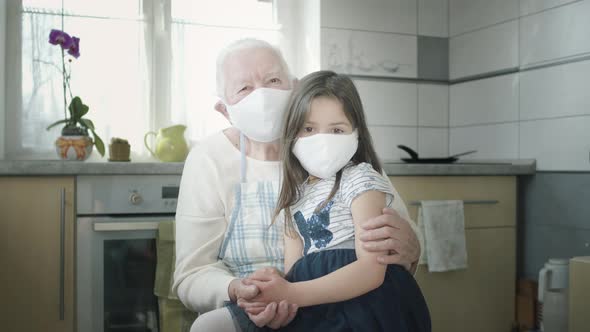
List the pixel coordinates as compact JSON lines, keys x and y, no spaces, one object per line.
{"x":228,"y":191}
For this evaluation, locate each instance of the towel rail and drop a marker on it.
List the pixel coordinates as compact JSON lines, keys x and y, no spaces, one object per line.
{"x":470,"y":202}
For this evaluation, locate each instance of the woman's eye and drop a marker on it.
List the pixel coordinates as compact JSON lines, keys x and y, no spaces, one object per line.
{"x":307,"y":129}
{"x":275,"y":81}
{"x":337,"y":131}
{"x":243,"y":89}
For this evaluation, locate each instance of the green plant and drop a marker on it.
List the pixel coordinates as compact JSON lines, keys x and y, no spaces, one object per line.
{"x":74,"y":120}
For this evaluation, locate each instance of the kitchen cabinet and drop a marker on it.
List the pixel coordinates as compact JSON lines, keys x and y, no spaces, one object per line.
{"x":482,"y":296}
{"x":489,"y":50}
{"x":37,"y":253}
{"x":556,"y":34}
{"x":398,"y":16}
{"x":364,"y":53}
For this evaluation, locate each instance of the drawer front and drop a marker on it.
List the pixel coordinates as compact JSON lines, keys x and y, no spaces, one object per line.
{"x":489,"y":188}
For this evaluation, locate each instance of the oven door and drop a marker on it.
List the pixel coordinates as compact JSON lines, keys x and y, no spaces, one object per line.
{"x":116,"y":264}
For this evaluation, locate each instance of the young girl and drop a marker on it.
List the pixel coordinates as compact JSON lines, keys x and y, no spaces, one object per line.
{"x":332,"y":181}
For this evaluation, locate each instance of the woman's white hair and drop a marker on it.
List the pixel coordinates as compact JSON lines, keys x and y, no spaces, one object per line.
{"x":243,"y":44}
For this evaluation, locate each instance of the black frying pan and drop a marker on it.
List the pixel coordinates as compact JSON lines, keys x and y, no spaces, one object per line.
{"x":417,"y":160}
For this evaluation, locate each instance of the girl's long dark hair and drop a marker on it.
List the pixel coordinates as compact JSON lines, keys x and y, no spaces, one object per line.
{"x":318,"y":84}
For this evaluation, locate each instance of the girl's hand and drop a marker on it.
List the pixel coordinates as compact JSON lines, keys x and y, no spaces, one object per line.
{"x":390,"y":232}
{"x":273,"y":288}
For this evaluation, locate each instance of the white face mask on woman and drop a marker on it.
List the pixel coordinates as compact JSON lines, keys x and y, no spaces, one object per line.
{"x":322,"y":155}
{"x":260,"y":114}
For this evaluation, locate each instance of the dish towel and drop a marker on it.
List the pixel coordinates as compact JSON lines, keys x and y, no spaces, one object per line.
{"x":443,"y":226}
{"x":174,"y":317}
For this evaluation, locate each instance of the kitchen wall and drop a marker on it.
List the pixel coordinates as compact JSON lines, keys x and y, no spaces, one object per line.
{"x":377,"y":42}
{"x":519,"y":72}
{"x":2,"y":74}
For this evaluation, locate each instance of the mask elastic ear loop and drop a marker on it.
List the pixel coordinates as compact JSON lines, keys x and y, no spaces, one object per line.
{"x":242,"y":158}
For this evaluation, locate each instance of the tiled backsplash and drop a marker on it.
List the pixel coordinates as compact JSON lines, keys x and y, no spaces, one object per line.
{"x":542,"y":109}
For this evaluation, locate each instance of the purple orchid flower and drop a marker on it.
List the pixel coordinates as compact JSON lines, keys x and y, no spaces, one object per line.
{"x":74,"y":50}
{"x":58,"y":37}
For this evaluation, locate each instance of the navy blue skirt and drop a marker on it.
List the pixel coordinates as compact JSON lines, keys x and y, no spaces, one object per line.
{"x":397,"y":305}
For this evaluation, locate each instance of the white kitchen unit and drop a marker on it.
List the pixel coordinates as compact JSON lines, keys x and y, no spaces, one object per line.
{"x":370,"y":15}
{"x":433,"y":18}
{"x":556,"y":34}
{"x":469,"y":15}
{"x":484,"y":51}
{"x":368,"y":53}
{"x":528,"y":7}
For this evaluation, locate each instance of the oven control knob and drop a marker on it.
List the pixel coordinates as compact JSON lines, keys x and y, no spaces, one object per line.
{"x":135,"y":198}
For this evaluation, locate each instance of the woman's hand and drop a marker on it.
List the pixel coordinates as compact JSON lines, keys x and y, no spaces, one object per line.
{"x":271,"y":315}
{"x":237,"y":289}
{"x":390,"y":232}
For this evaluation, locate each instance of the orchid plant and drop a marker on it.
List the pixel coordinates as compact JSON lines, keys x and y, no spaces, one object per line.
{"x":75,"y":123}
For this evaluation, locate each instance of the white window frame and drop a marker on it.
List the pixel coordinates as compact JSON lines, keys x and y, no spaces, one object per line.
{"x":158,"y":13}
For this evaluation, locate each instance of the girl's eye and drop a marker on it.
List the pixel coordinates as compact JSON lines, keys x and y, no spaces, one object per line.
{"x":275,"y":81}
{"x":337,"y":131}
{"x":243,"y":89}
{"x":307,"y":129}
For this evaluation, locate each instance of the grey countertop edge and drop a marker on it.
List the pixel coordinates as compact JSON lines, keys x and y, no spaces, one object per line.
{"x":465,"y":168}
{"x":57,"y":167}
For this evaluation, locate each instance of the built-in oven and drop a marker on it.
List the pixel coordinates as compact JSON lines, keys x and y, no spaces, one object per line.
{"x":117,"y":222}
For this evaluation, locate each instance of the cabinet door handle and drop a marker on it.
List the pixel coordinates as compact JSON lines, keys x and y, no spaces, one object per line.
{"x":470,"y":202}
{"x":62,"y":230}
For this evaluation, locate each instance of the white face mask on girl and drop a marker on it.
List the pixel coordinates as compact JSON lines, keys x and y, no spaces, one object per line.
{"x":322,"y":155}
{"x":260,"y":114}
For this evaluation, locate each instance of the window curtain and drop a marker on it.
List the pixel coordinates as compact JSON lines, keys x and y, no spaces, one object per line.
{"x":144,"y":65}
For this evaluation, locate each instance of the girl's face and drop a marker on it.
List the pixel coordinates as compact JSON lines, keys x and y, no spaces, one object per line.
{"x":325,"y":116}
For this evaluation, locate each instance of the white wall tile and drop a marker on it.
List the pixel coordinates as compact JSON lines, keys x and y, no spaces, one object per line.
{"x":370,"y":15}
{"x":388,"y":103}
{"x":467,"y":15}
{"x":483,"y":51}
{"x":557,"y":144}
{"x":433,"y":142}
{"x":555,"y":34}
{"x":555,"y":91}
{"x":433,"y":105}
{"x":369,"y":53}
{"x":433,"y":18}
{"x":491,"y":141}
{"x":386,"y":140}
{"x":487,"y":100}
{"x":533,"y":6}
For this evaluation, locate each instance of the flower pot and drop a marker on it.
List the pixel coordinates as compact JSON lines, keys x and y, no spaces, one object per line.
{"x":70,"y":147}
{"x":119,"y":151}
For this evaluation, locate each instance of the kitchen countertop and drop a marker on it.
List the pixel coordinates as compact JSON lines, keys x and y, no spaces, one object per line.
{"x":394,"y":168}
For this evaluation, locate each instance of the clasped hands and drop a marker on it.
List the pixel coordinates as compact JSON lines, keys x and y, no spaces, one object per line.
{"x":263,"y":295}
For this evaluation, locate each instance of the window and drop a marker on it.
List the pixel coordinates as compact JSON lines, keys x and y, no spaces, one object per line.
{"x":144,"y":65}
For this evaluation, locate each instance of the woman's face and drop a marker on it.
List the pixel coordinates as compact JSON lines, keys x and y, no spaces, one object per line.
{"x":249,"y":69}
{"x":325,"y":116}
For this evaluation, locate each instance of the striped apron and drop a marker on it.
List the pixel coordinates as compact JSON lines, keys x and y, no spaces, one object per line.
{"x":251,"y":242}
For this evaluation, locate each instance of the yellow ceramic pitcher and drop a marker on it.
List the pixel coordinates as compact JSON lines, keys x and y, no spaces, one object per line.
{"x":170,"y":143}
